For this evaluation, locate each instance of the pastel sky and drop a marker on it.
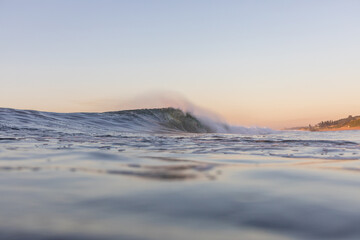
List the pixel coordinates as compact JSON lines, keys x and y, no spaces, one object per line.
{"x":267,"y":63}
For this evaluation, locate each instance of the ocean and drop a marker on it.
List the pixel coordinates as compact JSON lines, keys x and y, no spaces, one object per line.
{"x":165,"y":174}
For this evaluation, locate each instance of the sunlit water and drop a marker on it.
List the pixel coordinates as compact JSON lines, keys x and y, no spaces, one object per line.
{"x":63,"y":181}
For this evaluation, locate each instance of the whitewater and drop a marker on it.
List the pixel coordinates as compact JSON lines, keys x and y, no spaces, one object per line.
{"x":169,"y":174}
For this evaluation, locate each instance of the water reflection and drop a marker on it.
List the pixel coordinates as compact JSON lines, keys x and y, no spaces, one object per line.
{"x":72,"y":186}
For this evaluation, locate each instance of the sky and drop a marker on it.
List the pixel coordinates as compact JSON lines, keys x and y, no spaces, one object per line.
{"x":256,"y":63}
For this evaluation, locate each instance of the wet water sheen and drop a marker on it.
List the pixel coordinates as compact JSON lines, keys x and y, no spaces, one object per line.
{"x":116,"y":185}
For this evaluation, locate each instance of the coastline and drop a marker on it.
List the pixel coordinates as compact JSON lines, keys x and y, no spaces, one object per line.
{"x":337,"y":129}
{"x":330,"y":129}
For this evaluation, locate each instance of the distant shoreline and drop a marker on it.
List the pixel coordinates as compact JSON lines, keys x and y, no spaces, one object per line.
{"x":329,"y":129}
{"x":344,"y":124}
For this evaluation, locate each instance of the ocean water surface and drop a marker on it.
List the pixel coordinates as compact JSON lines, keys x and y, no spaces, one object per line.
{"x":164,"y":174}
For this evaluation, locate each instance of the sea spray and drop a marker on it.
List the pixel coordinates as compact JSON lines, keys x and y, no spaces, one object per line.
{"x":159,"y":120}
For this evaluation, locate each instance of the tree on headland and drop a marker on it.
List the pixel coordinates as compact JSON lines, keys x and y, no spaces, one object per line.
{"x":325,"y":124}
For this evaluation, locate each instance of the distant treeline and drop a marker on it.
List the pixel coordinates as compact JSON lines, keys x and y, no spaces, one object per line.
{"x":349,"y":122}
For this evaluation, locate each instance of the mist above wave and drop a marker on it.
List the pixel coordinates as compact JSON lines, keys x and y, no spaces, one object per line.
{"x":169,"y":99}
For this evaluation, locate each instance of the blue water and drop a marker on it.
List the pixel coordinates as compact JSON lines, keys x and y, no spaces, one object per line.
{"x":148,"y":175}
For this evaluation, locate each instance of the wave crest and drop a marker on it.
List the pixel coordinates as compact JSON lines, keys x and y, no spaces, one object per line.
{"x":157,"y":120}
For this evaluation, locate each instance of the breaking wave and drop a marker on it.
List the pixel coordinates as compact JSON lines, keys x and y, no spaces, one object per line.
{"x":157,"y":120}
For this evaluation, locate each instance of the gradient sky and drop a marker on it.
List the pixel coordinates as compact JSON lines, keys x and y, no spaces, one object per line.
{"x":267,"y":63}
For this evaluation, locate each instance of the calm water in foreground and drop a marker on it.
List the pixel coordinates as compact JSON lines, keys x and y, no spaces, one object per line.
{"x":115,"y":185}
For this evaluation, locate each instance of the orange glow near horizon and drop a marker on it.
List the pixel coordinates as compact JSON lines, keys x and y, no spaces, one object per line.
{"x":270,"y":64}
{"x":247,"y":115}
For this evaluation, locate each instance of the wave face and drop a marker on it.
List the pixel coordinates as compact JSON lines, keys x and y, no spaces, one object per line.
{"x":158,"y":120}
{"x":142,"y":120}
